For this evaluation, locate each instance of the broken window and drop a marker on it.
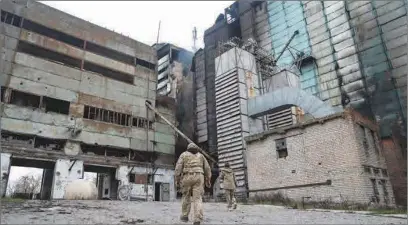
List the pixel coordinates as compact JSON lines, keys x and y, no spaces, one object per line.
{"x":145,"y":64}
{"x":92,"y":150}
{"x":373,"y":136}
{"x":367,"y":169}
{"x":55,"y":105}
{"x":141,"y":123}
{"x":49,"y":144}
{"x":115,"y":75}
{"x":51,"y":33}
{"x":110,"y":53}
{"x":48,"y":55}
{"x":376,"y":171}
{"x":14,"y":138}
{"x":10,"y":18}
{"x":24,"y":99}
{"x":281,"y":148}
{"x":115,"y":152}
{"x":375,"y":190}
{"x":3,"y":91}
{"x":108,"y":116}
{"x":364,"y":139}
{"x":384,"y":173}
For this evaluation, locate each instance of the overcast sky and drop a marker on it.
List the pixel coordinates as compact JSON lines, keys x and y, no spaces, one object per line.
{"x":140,"y":19}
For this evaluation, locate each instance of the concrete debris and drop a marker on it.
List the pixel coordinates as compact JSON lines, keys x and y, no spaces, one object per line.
{"x":119,"y":212}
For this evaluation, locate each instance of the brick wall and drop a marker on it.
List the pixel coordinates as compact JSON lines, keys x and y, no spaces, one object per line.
{"x":325,"y":150}
{"x":396,"y":163}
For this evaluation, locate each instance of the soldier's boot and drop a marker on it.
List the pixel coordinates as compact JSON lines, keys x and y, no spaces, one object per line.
{"x":184,"y":218}
{"x":235,"y":206}
{"x":196,"y":223}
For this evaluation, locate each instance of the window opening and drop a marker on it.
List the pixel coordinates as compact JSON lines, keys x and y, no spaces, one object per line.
{"x":24,"y":99}
{"x":55,"y":105}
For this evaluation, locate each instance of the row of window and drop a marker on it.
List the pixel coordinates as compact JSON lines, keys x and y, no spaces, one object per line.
{"x":375,"y":171}
{"x":73,"y":62}
{"x":49,"y":104}
{"x":15,"y":20}
{"x":49,"y":144}
{"x":109,"y":116}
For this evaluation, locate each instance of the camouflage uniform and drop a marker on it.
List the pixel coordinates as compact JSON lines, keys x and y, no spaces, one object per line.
{"x":192,"y":170}
{"x":229,"y":184}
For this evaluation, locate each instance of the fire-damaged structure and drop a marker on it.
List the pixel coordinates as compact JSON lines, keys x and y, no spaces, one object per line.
{"x":74,"y":100}
{"x":333,"y":55}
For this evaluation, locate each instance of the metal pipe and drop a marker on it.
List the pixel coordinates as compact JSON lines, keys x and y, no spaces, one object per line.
{"x":287,"y":44}
{"x":178,"y":131}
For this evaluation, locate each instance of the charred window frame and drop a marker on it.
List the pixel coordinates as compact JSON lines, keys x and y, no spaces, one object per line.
{"x":10,"y":18}
{"x":52,"y":56}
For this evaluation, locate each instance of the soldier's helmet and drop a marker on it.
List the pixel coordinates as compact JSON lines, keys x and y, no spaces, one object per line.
{"x":192,"y":146}
{"x":227,"y":165}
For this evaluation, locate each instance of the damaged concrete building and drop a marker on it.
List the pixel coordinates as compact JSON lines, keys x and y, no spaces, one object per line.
{"x":74,"y":100}
{"x":175,"y":80}
{"x":312,"y":59}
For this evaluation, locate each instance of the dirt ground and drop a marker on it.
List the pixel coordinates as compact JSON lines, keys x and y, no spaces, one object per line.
{"x":119,"y":212}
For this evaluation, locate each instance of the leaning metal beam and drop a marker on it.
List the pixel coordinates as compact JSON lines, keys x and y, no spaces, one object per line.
{"x":178,"y":131}
{"x":287,"y":96}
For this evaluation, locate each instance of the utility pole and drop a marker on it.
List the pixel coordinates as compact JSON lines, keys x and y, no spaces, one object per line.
{"x":158,"y":33}
{"x":194,"y":39}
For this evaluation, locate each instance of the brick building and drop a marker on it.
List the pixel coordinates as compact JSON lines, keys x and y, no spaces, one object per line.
{"x":337,"y":157}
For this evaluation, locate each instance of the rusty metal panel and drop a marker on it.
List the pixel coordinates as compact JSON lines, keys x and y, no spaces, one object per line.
{"x":76,"y":110}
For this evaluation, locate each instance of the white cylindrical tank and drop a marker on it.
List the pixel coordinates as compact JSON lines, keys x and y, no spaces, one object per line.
{"x":81,"y":190}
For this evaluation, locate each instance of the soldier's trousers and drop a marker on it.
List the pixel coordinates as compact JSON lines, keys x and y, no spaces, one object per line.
{"x":192,"y":191}
{"x":229,"y":195}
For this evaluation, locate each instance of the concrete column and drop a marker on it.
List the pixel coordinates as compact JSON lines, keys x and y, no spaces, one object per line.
{"x":63,"y":175}
{"x":46,"y":184}
{"x":5,"y":172}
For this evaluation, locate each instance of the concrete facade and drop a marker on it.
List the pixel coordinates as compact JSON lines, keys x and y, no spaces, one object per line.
{"x":341,"y":167}
{"x":74,"y":94}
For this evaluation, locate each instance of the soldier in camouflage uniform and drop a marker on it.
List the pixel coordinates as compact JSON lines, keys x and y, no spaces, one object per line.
{"x":227,"y":178}
{"x":192,"y":171}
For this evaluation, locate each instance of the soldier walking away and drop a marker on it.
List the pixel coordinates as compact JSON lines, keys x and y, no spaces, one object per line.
{"x":192,"y":171}
{"x":229,"y":184}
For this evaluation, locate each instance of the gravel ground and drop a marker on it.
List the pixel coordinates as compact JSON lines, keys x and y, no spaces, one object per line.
{"x":117,"y":212}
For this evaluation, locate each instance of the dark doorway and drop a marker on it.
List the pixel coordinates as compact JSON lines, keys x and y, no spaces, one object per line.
{"x":157,"y":191}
